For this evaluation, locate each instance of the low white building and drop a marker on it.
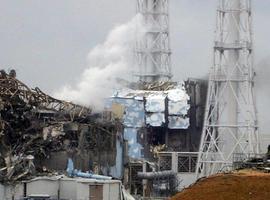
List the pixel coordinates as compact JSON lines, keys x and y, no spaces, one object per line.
{"x":64,"y":188}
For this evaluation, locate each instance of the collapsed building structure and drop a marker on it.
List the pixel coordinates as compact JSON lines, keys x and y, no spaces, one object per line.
{"x":40,"y":133}
{"x":148,"y":135}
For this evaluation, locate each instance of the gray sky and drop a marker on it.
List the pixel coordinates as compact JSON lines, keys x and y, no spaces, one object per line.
{"x":47,"y":41}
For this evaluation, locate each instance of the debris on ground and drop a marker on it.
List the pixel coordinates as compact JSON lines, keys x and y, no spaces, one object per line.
{"x":256,"y":161}
{"x":243,"y":184}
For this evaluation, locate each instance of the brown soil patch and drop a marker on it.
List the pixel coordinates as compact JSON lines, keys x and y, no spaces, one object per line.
{"x":242,"y":185}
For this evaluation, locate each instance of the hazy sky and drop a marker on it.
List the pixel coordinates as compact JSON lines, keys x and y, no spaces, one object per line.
{"x":47,"y":42}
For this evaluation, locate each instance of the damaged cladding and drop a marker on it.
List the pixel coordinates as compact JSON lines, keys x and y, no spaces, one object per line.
{"x":154,"y":110}
{"x":39,"y":133}
{"x":159,"y":117}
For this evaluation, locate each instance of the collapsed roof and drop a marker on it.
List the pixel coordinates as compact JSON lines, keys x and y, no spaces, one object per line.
{"x":34,"y":125}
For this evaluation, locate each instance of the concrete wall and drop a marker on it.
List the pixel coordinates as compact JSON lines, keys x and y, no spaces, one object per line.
{"x":68,"y":189}
{"x":43,"y":186}
{"x":111,"y":191}
{"x":82,"y":191}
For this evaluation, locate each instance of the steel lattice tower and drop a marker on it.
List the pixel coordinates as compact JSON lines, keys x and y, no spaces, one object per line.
{"x":153,"y":49}
{"x":230,"y":126}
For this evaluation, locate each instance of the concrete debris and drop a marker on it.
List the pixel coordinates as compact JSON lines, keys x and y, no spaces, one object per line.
{"x":36,"y":131}
{"x":156,"y":86}
{"x":155,"y":150}
{"x":252,"y":161}
{"x":39,"y":135}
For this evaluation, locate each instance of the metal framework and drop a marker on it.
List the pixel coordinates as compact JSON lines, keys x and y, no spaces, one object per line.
{"x":230,"y":124}
{"x":153,"y":49}
{"x":10,"y":87}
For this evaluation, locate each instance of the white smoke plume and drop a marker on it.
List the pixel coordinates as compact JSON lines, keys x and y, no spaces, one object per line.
{"x":108,"y":61}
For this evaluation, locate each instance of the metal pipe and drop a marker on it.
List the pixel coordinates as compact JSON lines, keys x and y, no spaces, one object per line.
{"x":156,"y":175}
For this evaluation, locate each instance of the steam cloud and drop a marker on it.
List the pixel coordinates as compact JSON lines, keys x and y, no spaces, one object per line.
{"x":107,"y":62}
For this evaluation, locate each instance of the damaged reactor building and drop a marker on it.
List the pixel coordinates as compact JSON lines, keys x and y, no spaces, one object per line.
{"x":145,"y":142}
{"x":40,"y":134}
{"x":162,"y":127}
{"x":148,"y":134}
{"x":154,"y":137}
{"x":150,"y":140}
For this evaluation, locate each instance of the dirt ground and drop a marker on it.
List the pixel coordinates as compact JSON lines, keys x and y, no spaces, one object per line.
{"x":241,"y":185}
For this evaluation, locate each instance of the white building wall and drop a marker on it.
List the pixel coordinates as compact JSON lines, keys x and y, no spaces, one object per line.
{"x":42,"y":186}
{"x":111,"y":191}
{"x":82,"y":191}
{"x":68,"y":189}
{"x":71,"y":189}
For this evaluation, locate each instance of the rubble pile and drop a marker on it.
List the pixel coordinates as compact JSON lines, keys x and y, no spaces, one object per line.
{"x":34,"y":125}
{"x":155,"y":86}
